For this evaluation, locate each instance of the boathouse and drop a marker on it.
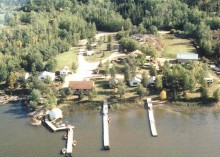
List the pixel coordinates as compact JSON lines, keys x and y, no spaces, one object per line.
{"x":55,"y":114}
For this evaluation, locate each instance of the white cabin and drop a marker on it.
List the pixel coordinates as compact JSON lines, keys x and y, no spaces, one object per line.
{"x":64,"y":71}
{"x":46,"y":74}
{"x":134,"y":81}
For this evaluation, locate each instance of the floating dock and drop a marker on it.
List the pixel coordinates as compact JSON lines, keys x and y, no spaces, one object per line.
{"x":105,"y":126}
{"x":151,"y":118}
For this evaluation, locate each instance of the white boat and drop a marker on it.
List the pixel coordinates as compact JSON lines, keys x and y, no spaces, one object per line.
{"x":63,"y":150}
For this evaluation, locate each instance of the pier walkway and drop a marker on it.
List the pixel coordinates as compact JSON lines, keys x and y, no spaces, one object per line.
{"x":53,"y":127}
{"x":105,"y":125}
{"x":151,"y":118}
{"x":69,"y":145}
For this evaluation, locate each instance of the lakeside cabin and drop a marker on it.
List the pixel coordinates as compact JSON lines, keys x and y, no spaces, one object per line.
{"x":134,"y":81}
{"x":186,"y":57}
{"x":77,"y":86}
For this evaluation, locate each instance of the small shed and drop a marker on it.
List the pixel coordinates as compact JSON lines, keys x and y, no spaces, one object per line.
{"x":186,"y":57}
{"x":134,"y":81}
{"x":55,"y":114}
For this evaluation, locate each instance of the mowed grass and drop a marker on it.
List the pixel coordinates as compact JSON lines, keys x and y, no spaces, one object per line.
{"x":177,"y":45}
{"x":66,"y":58}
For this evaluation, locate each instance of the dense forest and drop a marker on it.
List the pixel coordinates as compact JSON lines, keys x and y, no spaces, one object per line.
{"x":34,"y":31}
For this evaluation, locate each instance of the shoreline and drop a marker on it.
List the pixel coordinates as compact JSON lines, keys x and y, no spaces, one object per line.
{"x":125,"y":106}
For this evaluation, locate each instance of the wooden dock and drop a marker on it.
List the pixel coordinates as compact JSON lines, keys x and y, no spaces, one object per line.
{"x":69,"y":128}
{"x":53,"y":127}
{"x":105,"y":126}
{"x":69,"y":145}
{"x":151,"y":118}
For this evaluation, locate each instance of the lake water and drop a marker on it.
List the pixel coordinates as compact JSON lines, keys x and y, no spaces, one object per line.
{"x":194,"y":135}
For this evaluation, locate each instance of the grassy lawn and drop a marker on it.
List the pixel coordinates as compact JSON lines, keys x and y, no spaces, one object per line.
{"x":66,"y":58}
{"x":177,"y":45}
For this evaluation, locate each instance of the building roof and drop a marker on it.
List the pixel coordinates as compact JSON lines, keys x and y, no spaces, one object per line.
{"x":136,"y":78}
{"x":47,"y":74}
{"x":56,"y":113}
{"x":192,"y":56}
{"x":81,"y":84}
{"x":136,"y":52}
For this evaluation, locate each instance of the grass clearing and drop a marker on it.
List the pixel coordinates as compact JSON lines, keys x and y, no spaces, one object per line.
{"x":177,"y":45}
{"x":66,"y":58}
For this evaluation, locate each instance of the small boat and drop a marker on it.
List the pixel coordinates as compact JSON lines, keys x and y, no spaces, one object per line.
{"x":64,"y":137}
{"x":63,"y":150}
{"x":74,"y":143}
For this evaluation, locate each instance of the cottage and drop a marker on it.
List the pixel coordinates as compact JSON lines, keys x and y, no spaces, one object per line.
{"x":186,"y":57}
{"x":55,"y":114}
{"x":78,"y":86}
{"x":134,"y":81}
{"x":64,"y":71}
{"x":46,"y":74}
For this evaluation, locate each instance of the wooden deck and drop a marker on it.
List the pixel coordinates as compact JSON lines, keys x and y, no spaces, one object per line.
{"x":105,"y":125}
{"x":53,"y":127}
{"x":151,"y":118}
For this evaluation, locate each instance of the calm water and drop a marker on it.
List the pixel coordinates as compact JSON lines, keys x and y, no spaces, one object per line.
{"x":195,"y":135}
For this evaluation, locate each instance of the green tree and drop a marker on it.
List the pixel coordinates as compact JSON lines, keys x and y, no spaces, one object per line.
{"x":141,"y":91}
{"x":158,"y":83}
{"x":3,"y":71}
{"x":152,"y":70}
{"x":121,"y":89}
{"x":153,"y":29}
{"x":127,"y":73}
{"x":144,"y":80}
{"x":216,"y":95}
{"x":204,"y":93}
{"x":35,"y":96}
{"x":11,"y":80}
{"x":112,"y":71}
{"x":81,"y":95}
{"x":92,"y":94}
